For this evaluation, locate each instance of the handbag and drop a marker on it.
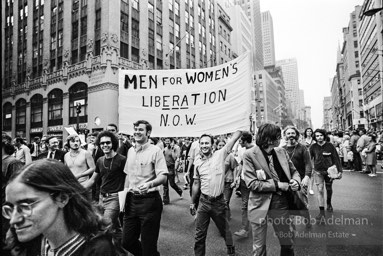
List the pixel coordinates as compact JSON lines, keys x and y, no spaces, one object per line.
{"x":297,"y":200}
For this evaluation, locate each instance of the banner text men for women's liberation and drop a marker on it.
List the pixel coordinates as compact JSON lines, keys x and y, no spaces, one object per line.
{"x":188,"y":102}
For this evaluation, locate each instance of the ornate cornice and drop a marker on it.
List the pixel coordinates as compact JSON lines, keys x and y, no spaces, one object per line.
{"x":103,"y":86}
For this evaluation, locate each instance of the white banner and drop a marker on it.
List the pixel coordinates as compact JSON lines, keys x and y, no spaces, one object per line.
{"x":188,"y":102}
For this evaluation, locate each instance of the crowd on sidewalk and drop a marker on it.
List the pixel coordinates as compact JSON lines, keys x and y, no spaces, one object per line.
{"x":66,"y":194}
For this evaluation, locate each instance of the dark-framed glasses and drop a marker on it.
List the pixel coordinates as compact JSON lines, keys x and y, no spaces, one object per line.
{"x":105,"y":142}
{"x":24,"y":209}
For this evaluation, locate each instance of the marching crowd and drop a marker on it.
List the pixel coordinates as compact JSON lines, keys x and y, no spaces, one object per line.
{"x":64,"y":200}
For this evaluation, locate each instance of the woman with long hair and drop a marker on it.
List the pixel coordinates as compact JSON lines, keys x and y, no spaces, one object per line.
{"x":45,"y":203}
{"x":308,"y":141}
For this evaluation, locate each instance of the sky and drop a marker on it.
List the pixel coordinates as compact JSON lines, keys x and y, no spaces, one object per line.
{"x":311,"y":31}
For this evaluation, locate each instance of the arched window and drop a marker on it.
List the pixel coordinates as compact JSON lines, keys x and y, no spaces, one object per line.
{"x":7,"y":116}
{"x":55,"y":107}
{"x":37,"y":111}
{"x":21,"y":114}
{"x":78,"y":93}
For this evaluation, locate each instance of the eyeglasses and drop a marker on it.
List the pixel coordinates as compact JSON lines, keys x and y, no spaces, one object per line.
{"x":105,"y":142}
{"x":24,"y":209}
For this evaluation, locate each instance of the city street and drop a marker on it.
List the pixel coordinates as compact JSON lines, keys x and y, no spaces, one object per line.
{"x":354,"y":228}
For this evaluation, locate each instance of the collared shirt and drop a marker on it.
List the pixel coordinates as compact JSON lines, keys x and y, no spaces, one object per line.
{"x":68,"y":248}
{"x":171,"y":155}
{"x":194,"y":150}
{"x":211,"y":172}
{"x":144,"y":164}
{"x":20,"y":153}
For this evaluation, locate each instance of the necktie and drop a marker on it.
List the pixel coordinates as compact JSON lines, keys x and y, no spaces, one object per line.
{"x":271,"y":167}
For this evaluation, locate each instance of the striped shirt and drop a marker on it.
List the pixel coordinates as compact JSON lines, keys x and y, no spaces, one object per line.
{"x":68,"y":248}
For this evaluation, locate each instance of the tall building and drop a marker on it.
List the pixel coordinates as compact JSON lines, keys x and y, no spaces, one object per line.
{"x":353,"y":85}
{"x":301,"y":104}
{"x":59,"y":56}
{"x":252,"y":9}
{"x":327,"y":113}
{"x":268,"y":39}
{"x":290,"y":76}
{"x":269,"y":98}
{"x":370,"y":30}
{"x":308,"y":116}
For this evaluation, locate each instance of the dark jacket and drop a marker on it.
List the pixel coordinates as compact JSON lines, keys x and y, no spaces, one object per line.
{"x":59,"y":155}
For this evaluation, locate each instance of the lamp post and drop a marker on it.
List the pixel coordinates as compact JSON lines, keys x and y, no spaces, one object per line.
{"x":78,"y":111}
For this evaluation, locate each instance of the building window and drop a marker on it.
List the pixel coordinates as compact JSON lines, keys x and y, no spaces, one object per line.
{"x":124,"y":49}
{"x":37,"y":111}
{"x":55,"y":107}
{"x":21,"y":113}
{"x":78,"y":92}
{"x":7,"y":116}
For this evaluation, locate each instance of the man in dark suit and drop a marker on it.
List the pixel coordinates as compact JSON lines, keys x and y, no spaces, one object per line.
{"x":269,"y":174}
{"x":52,"y":143}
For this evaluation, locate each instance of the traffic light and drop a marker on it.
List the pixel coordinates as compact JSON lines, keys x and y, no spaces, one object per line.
{"x":78,"y":108}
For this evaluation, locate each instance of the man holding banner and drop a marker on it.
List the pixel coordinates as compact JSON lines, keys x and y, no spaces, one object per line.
{"x":209,"y":178}
{"x":146,"y":170}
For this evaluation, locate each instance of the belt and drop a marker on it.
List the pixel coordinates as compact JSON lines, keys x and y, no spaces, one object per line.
{"x":135,"y":194}
{"x":212,"y":198}
{"x":109,"y":194}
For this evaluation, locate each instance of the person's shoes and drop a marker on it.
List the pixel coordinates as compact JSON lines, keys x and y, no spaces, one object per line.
{"x":311,"y":192}
{"x":320,"y":219}
{"x":372,"y":175}
{"x":242,"y":233}
{"x":231,"y":251}
{"x":329,"y":208}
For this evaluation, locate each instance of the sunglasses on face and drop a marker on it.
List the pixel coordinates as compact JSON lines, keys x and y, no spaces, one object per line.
{"x":105,"y":142}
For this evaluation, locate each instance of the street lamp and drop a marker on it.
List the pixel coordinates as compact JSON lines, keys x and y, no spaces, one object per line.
{"x":78,"y":111}
{"x":372,"y":12}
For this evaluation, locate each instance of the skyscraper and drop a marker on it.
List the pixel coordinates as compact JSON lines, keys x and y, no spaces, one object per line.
{"x":290,"y":76}
{"x":268,"y":39}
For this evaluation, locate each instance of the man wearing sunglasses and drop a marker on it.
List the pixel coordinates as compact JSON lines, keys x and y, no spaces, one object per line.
{"x":110,"y":169}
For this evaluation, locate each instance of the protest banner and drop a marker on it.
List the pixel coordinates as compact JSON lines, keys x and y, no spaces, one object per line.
{"x":188,"y":102}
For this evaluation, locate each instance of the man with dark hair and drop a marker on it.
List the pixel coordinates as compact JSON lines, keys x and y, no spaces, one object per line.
{"x":172,"y":154}
{"x":146,"y":170}
{"x":112,"y":128}
{"x":300,"y":157}
{"x":110,"y":170}
{"x":9,"y":166}
{"x":246,"y":142}
{"x":53,"y":152}
{"x":23,"y":153}
{"x":269,"y":174}
{"x":324,"y":156}
{"x":35,"y":148}
{"x":209,"y":178}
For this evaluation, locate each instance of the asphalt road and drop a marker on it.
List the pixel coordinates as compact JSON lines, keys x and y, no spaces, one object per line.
{"x":354,"y":228}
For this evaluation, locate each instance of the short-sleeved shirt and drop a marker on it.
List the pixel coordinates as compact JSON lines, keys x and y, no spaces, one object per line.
{"x":144,"y":164}
{"x":111,"y":171}
{"x":211,"y":172}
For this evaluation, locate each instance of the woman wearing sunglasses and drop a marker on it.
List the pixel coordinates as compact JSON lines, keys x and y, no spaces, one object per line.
{"x":45,"y":202}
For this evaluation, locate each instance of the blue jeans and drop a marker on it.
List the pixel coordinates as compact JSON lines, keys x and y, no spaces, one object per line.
{"x":228,"y":192}
{"x":217,"y":210}
{"x":282,"y":223}
{"x":111,"y":208}
{"x":142,"y":217}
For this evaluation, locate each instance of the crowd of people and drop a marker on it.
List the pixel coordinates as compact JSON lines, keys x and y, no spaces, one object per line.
{"x":67,"y":197}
